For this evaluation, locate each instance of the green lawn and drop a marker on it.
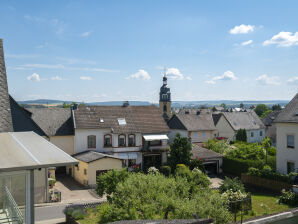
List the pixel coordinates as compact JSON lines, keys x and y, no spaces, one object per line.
{"x":264,"y":204}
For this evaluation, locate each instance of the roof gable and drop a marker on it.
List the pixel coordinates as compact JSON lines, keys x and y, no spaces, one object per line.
{"x":290,"y":113}
{"x":175,"y":123}
{"x":244,"y":120}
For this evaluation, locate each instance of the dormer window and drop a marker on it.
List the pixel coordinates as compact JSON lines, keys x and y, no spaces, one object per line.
{"x":91,"y":139}
{"x":121,"y":121}
{"x":121,"y":140}
{"x":108,"y":140}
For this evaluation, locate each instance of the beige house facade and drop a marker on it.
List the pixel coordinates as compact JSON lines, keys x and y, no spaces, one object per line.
{"x":287,"y":138}
{"x":91,"y":164}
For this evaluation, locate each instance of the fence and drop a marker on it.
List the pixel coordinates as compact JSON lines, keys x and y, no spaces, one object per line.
{"x":240,"y":206}
{"x":273,"y":185}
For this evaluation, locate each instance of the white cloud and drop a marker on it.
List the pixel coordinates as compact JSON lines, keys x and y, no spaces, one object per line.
{"x":34,"y":77}
{"x":57,"y":78}
{"x":86,"y":34}
{"x":141,"y":74}
{"x":228,"y":75}
{"x":268,"y":80}
{"x":293,"y":80}
{"x":283,"y":39}
{"x":85,"y":78}
{"x":246,"y":42}
{"x":175,"y":74}
{"x":242,"y":29}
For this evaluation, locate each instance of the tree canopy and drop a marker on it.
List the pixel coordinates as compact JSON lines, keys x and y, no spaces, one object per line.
{"x":260,"y":109}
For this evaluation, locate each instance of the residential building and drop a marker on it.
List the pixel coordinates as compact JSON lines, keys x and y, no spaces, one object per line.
{"x":91,"y":164}
{"x":230,"y":122}
{"x":136,"y":134}
{"x":198,"y":126}
{"x":270,"y":130}
{"x":212,"y":160}
{"x":165,"y":104}
{"x":287,"y":138}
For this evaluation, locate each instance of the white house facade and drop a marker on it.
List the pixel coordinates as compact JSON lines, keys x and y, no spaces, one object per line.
{"x":287,"y":138}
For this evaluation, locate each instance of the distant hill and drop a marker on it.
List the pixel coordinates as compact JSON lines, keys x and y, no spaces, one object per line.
{"x":175,"y":104}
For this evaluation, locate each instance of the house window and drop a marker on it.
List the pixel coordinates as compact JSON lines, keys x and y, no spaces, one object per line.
{"x":195,"y":135}
{"x":203,"y":135}
{"x":165,"y":108}
{"x":290,"y":167}
{"x":85,"y":171}
{"x":108,"y":140}
{"x":290,"y":141}
{"x":251,"y":134}
{"x":261,"y":133}
{"x":131,"y":140}
{"x":91,"y":141}
{"x":121,"y":140}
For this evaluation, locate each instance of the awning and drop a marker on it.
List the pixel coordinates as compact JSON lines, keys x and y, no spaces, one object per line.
{"x":27,"y":150}
{"x":129,"y":155}
{"x":155,"y":137}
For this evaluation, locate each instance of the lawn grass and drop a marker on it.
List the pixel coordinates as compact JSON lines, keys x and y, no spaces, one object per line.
{"x":264,"y":204}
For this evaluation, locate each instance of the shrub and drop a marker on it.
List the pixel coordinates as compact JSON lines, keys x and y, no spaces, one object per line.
{"x":219,"y":146}
{"x":181,"y":166}
{"x":271,"y":151}
{"x":165,"y":170}
{"x":254,"y":172}
{"x":238,"y":166}
{"x":251,"y":151}
{"x":153,"y":170}
{"x":241,"y":135}
{"x":76,"y":213}
{"x":267,"y":173}
{"x":158,"y":197}
{"x":183,"y":171}
{"x":289,"y":198}
{"x":234,"y":185}
{"x":197,"y":163}
{"x":106,"y":183}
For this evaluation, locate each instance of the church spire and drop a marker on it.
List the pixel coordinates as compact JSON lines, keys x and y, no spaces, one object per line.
{"x":165,"y":98}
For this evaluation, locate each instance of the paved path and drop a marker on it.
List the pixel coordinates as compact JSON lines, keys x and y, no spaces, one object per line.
{"x":72,"y":193}
{"x":50,"y":214}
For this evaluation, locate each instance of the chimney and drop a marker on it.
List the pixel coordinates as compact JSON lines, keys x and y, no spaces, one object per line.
{"x":125,"y":104}
{"x":5,"y":113}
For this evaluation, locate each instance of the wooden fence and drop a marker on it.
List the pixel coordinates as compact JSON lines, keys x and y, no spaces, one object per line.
{"x":268,"y":184}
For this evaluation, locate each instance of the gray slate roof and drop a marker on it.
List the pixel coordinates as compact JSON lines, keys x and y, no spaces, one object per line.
{"x":269,"y":118}
{"x":5,"y":113}
{"x":192,"y":122}
{"x":290,"y":113}
{"x":244,"y":120}
{"x":203,"y":153}
{"x":21,"y":119}
{"x":139,"y":119}
{"x":90,"y":156}
{"x":53,"y":121}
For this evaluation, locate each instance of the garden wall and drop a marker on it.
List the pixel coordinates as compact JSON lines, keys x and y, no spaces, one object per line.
{"x":268,"y":184}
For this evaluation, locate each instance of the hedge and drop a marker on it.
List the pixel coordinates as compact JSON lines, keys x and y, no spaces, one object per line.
{"x":238,"y":166}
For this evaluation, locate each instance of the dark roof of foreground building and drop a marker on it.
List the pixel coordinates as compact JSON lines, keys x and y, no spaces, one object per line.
{"x":53,"y":121}
{"x":216,"y":118}
{"x":290,"y":113}
{"x":90,"y":156}
{"x":248,"y":120}
{"x":192,"y":122}
{"x":269,"y":118}
{"x":21,"y":119}
{"x":5,"y":113}
{"x":121,"y":119}
{"x":203,"y":153}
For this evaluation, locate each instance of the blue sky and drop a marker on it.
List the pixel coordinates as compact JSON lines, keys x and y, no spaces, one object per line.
{"x":117,"y":50}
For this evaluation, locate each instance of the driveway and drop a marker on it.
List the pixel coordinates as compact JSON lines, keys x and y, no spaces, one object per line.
{"x":215,"y":181}
{"x":73,"y":192}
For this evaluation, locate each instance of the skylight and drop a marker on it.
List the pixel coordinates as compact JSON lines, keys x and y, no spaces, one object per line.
{"x":121,"y":121}
{"x":101,"y":120}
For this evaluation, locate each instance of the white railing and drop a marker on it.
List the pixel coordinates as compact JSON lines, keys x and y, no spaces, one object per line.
{"x":14,"y":214}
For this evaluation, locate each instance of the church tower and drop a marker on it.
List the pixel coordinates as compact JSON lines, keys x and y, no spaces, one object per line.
{"x":165,"y":99}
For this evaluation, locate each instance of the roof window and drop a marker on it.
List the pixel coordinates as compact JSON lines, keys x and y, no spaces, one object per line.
{"x":121,"y":121}
{"x":101,"y":120}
